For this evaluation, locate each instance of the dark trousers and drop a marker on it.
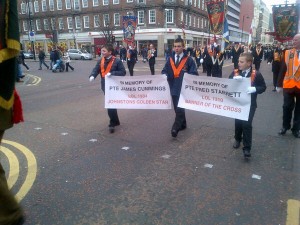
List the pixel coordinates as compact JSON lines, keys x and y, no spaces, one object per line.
{"x":130,"y":67}
{"x":68,"y":65}
{"x":257,"y":65}
{"x":180,"y":121}
{"x":151,"y":65}
{"x":208,"y":70}
{"x":243,"y":130}
{"x":291,"y":102}
{"x":113,"y":117}
{"x":10,"y":210}
{"x":24,"y":64}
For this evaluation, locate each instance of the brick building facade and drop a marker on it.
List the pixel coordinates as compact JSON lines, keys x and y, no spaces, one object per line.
{"x":80,"y":23}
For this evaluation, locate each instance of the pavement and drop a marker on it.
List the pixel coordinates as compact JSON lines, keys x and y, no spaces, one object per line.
{"x":73,"y":171}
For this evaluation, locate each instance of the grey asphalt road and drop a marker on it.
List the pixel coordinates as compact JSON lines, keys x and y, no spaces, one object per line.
{"x":75,"y":172}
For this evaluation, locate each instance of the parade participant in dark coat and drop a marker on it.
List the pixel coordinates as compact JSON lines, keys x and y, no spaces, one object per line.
{"x":23,"y":59}
{"x":123,"y":53}
{"x":289,"y":79}
{"x":202,"y":59}
{"x":152,"y":54}
{"x":197,"y":55}
{"x":257,"y":56}
{"x":131,"y":58}
{"x":207,"y":60}
{"x":175,"y":67}
{"x":108,"y":65}
{"x":42,"y":57}
{"x":217,"y":67}
{"x":275,"y":57}
{"x":235,"y":54}
{"x":243,"y":129}
{"x":11,"y":212}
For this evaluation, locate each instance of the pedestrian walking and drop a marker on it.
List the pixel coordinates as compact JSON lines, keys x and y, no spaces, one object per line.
{"x":23,"y":60}
{"x":152,"y":54}
{"x":243,"y":129}
{"x":131,"y":58}
{"x":42,"y":57}
{"x":289,"y":79}
{"x":108,"y":65}
{"x":11,"y":212}
{"x":175,"y":67}
{"x":67,"y":61}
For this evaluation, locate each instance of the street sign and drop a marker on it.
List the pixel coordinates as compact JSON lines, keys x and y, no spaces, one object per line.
{"x":31,"y":36}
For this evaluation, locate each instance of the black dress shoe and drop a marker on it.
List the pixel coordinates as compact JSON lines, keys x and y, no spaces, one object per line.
{"x":282,"y":131}
{"x":183,"y":127}
{"x":174,"y":132}
{"x":247,"y":153}
{"x":236,"y":144}
{"x":296,"y":134}
{"x":111,"y":129}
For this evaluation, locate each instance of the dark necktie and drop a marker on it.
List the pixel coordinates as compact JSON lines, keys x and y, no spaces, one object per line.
{"x":244,"y":74}
{"x":177,"y":60}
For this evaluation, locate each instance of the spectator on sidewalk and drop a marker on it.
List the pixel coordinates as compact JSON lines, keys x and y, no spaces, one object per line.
{"x":67,"y":61}
{"x":42,"y":57}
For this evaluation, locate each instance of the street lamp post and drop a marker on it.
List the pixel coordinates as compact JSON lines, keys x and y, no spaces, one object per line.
{"x":30,"y":24}
{"x":247,"y":17}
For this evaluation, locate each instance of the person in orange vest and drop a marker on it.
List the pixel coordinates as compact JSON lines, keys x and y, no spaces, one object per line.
{"x":106,"y":66}
{"x":289,"y":79}
{"x":175,"y":67}
{"x":243,"y":129}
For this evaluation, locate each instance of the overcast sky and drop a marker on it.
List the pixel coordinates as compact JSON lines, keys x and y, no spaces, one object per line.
{"x":269,"y":3}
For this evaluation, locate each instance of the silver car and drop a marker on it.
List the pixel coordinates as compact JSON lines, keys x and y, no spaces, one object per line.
{"x":79,"y":54}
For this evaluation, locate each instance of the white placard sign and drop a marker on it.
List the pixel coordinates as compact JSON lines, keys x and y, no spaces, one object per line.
{"x":137,"y":92}
{"x":219,"y":96}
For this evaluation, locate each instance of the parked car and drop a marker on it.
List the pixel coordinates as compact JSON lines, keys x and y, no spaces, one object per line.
{"x":28,"y":55}
{"x":79,"y":54}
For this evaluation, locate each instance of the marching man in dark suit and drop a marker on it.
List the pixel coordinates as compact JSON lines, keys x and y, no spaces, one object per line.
{"x":258,"y":54}
{"x":152,"y":54}
{"x":235,"y":54}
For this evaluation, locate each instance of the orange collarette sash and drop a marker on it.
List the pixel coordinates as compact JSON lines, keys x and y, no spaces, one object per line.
{"x":108,"y":68}
{"x":177,"y":70}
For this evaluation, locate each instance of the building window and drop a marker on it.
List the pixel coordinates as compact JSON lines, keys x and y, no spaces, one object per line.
{"x":129,"y":1}
{"x":199,"y":3}
{"x":117,"y":19}
{"x":25,"y":25}
{"x":202,"y":22}
{"x":198,"y":22}
{"x":203,"y":5}
{"x":51,"y":5}
{"x":95,"y":2}
{"x":70,"y":22}
{"x":76,"y":5}
{"x":169,"y":16}
{"x":38,"y":24}
{"x":190,"y":20}
{"x":68,"y":4}
{"x":181,"y":16}
{"x":53,"y":24}
{"x":106,"y":19}
{"x":141,"y":1}
{"x":86,"y":21}
{"x":85,"y":4}
{"x":77,"y":22}
{"x":36,"y":6}
{"x":46,"y":24}
{"x":194,"y":21}
{"x":96,"y":21}
{"x":141,"y":17}
{"x":152,"y":16}
{"x":116,"y":2}
{"x":59,"y":4}
{"x":61,"y":24}
{"x":44,"y":6}
{"x":23,"y":8}
{"x":105,"y":2}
